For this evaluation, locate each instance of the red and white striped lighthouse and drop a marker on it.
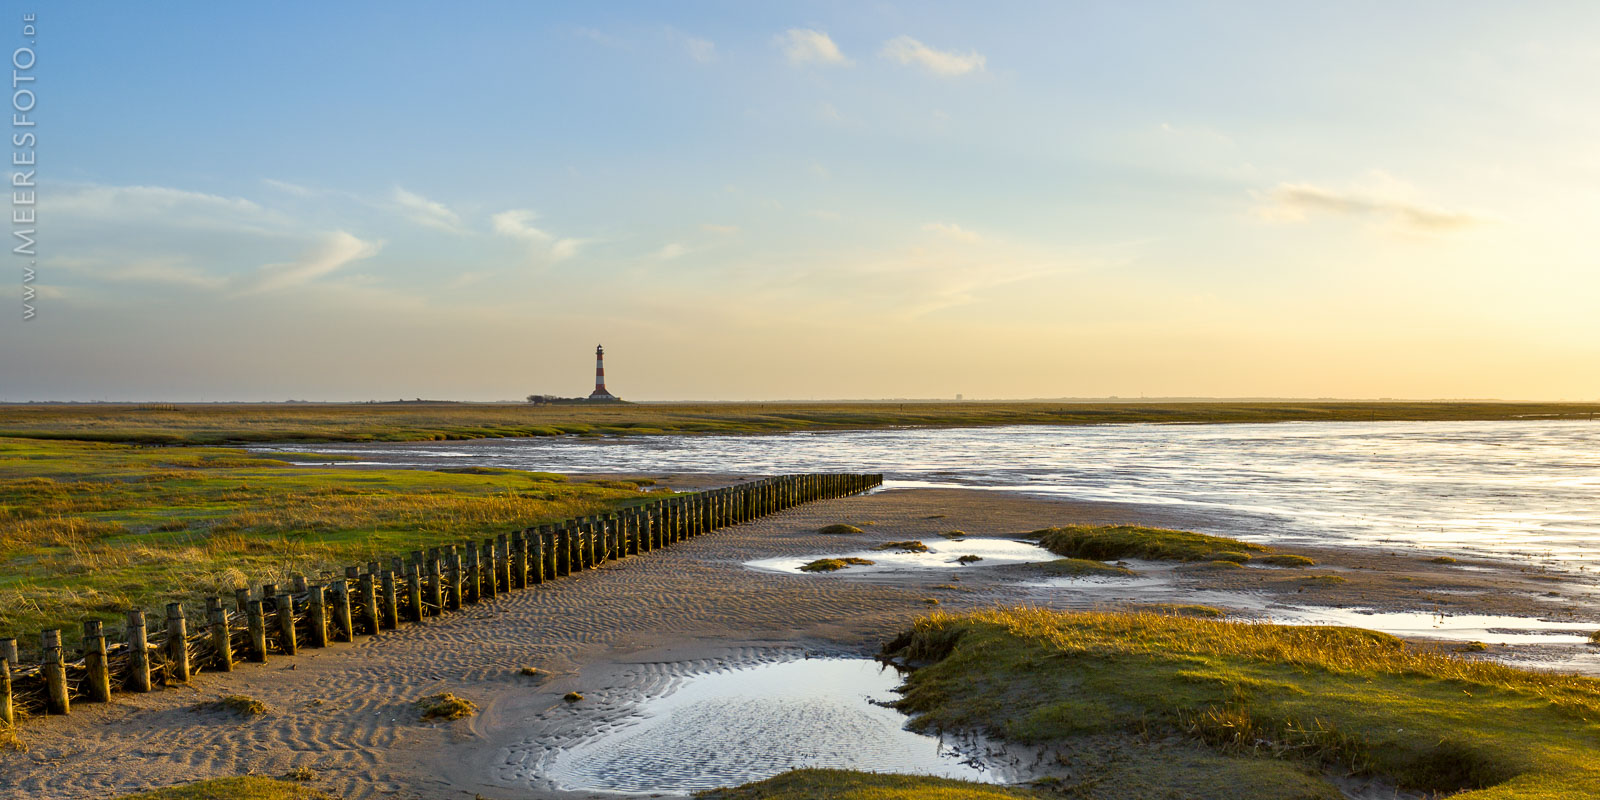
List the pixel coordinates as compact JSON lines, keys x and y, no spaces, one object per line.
{"x":600,"y":392}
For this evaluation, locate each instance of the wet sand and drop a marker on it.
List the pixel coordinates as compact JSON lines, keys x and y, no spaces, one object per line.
{"x":632,"y":627}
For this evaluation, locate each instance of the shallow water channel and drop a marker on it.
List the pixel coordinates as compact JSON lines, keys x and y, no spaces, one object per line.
{"x":941,"y":554}
{"x":738,"y":725}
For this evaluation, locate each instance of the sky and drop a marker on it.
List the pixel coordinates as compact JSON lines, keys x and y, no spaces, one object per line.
{"x":809,"y":200}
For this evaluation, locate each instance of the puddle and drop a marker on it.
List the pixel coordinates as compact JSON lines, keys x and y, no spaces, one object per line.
{"x":734,"y":726}
{"x":1486,"y":628}
{"x":942,"y":554}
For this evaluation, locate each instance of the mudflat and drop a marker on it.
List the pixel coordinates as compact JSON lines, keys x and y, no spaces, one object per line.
{"x":347,"y":715}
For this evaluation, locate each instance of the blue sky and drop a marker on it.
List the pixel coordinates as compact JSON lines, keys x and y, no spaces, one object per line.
{"x":834,"y":200}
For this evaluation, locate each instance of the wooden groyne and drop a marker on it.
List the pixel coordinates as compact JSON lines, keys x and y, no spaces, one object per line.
{"x":274,"y":621}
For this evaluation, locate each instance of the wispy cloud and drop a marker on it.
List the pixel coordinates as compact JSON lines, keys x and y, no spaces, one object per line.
{"x":425,"y":212}
{"x":671,"y":251}
{"x":807,"y":46}
{"x":1383,"y":198}
{"x":950,"y":230}
{"x":291,"y":188}
{"x":725,"y":230}
{"x":701,"y":50}
{"x":517,"y":223}
{"x":334,"y":251}
{"x":948,"y":63}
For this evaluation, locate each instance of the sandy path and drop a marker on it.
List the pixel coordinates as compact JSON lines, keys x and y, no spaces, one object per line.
{"x":345,"y":712}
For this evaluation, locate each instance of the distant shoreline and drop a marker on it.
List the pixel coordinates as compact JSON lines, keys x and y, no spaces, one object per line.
{"x":260,"y":423}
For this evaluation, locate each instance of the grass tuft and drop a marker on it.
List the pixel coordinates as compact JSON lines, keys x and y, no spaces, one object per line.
{"x":839,"y":528}
{"x":446,"y":706}
{"x":1083,"y":567}
{"x":237,"y":704}
{"x":1441,"y":560}
{"x":835,"y":564}
{"x":835,"y":784}
{"x":1286,"y":560}
{"x":534,"y":672}
{"x":969,"y":559}
{"x":953,"y":534}
{"x":572,"y":697}
{"x":1154,"y":703}
{"x":243,"y":787}
{"x":911,"y":546}
{"x":1112,"y":542}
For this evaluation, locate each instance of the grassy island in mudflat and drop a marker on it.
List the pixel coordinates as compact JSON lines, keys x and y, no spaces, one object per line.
{"x":91,"y":529}
{"x":235,"y":423}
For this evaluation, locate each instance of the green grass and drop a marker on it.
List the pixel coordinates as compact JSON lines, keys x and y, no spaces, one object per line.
{"x":244,"y":787}
{"x":445,"y":706}
{"x":392,"y":422}
{"x":1287,"y":560}
{"x":910,"y":546}
{"x":1112,"y":542}
{"x":91,"y":529}
{"x":834,"y":784}
{"x":834,"y":564}
{"x":238,"y":704}
{"x":1165,"y":705}
{"x":1083,"y":567}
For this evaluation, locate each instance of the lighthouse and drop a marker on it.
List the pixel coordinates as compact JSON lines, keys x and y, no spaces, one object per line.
{"x":600,"y":393}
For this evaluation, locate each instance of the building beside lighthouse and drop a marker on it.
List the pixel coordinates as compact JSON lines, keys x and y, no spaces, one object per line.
{"x":600,"y":394}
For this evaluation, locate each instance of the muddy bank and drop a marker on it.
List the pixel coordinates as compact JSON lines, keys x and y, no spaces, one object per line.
{"x":611,"y":634}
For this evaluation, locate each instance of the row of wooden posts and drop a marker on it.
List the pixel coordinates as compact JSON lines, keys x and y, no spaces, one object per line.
{"x":272,"y":621}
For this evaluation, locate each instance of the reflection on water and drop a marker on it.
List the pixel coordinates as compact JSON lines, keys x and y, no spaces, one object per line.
{"x":942,"y":554}
{"x":1500,"y":488}
{"x":740,"y":725}
{"x":1486,"y":628}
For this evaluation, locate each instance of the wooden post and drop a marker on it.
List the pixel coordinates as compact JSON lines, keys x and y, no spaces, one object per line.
{"x":502,"y":563}
{"x":287,"y":640}
{"x":491,"y":570}
{"x":97,"y":680}
{"x":256,"y":622}
{"x":317,"y":615}
{"x":178,"y":642}
{"x":221,"y":637}
{"x":435,"y":588}
{"x":368,"y":593}
{"x":54,"y":667}
{"x":391,"y":601}
{"x":414,"y":592}
{"x":451,"y":572}
{"x":469,"y":575}
{"x":562,"y":550}
{"x":8,"y":717}
{"x":8,"y":657}
{"x":300,"y":586}
{"x":536,"y":555}
{"x":519,"y":561}
{"x":138,"y":652}
{"x":343,"y":626}
{"x":241,"y":600}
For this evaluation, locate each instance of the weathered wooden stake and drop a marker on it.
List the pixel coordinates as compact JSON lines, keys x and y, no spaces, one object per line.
{"x":178,"y":643}
{"x":54,"y":667}
{"x":8,"y":717}
{"x":256,"y":623}
{"x":469,"y":575}
{"x":287,"y":640}
{"x":391,"y":601}
{"x":368,"y":594}
{"x":343,"y":626}
{"x":317,"y":615}
{"x":519,"y":561}
{"x":502,"y":563}
{"x":97,"y":680}
{"x":414,"y":592}
{"x":221,"y":637}
{"x":491,"y":570}
{"x":138,"y":679}
{"x":435,"y":588}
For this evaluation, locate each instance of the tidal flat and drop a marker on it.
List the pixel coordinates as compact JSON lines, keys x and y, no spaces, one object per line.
{"x":621,"y":635}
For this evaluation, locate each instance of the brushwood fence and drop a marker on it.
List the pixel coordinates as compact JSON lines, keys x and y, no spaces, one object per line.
{"x":278,"y":621}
